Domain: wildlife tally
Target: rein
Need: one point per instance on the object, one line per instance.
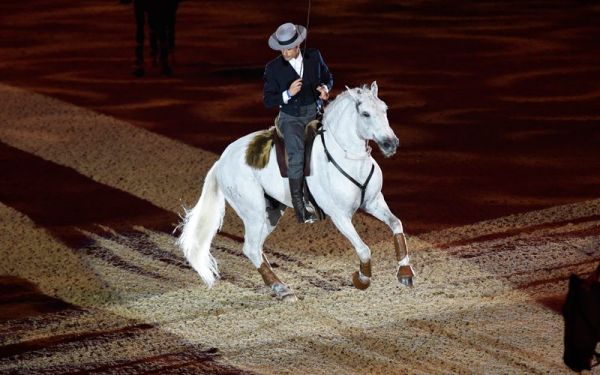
(362, 187)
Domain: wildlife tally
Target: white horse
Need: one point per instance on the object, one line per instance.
(339, 156)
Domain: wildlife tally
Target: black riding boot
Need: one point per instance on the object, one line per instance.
(303, 216)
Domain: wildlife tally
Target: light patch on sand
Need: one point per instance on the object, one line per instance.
(103, 148)
(32, 253)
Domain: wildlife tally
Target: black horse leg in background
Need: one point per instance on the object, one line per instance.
(171, 19)
(139, 10)
(157, 18)
(168, 10)
(581, 313)
(160, 15)
(154, 46)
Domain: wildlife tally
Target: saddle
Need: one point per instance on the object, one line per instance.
(258, 151)
(259, 148)
(310, 133)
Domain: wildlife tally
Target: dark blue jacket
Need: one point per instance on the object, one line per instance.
(279, 75)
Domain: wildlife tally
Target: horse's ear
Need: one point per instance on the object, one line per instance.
(352, 94)
(374, 88)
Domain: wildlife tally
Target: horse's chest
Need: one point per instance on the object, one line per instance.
(341, 187)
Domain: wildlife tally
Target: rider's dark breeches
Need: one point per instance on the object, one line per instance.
(292, 128)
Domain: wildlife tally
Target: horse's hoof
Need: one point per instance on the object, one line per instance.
(405, 275)
(284, 292)
(406, 281)
(291, 298)
(359, 282)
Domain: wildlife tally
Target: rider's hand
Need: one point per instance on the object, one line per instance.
(324, 92)
(295, 87)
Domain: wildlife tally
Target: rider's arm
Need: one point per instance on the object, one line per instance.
(273, 95)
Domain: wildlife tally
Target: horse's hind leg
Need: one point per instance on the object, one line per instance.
(260, 215)
(255, 234)
(379, 208)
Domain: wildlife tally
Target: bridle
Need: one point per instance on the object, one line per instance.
(321, 131)
(363, 186)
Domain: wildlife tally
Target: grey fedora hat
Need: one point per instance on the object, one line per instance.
(287, 36)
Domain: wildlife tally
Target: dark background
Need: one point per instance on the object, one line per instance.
(495, 103)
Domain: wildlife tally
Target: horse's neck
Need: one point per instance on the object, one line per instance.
(340, 127)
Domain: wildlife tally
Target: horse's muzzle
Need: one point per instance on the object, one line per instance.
(388, 146)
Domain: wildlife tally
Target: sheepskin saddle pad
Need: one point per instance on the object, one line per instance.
(259, 148)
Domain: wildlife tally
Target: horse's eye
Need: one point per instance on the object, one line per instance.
(365, 114)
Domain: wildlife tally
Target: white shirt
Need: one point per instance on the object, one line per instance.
(296, 63)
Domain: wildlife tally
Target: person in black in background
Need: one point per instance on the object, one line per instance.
(161, 18)
(170, 24)
(297, 84)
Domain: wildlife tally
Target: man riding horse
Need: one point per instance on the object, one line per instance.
(292, 82)
(345, 177)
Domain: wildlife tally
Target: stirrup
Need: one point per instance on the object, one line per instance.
(306, 217)
(311, 218)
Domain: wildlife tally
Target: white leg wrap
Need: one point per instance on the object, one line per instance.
(404, 262)
(364, 279)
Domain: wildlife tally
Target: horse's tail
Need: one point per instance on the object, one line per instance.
(200, 225)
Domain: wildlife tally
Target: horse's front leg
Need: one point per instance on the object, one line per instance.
(379, 208)
(362, 278)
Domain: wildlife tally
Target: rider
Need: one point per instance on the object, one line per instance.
(297, 84)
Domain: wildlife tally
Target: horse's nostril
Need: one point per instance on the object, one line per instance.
(387, 145)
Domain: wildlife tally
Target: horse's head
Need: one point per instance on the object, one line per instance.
(372, 123)
(581, 313)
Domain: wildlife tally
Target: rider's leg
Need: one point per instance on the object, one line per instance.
(292, 128)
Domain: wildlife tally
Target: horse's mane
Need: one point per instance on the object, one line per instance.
(340, 103)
